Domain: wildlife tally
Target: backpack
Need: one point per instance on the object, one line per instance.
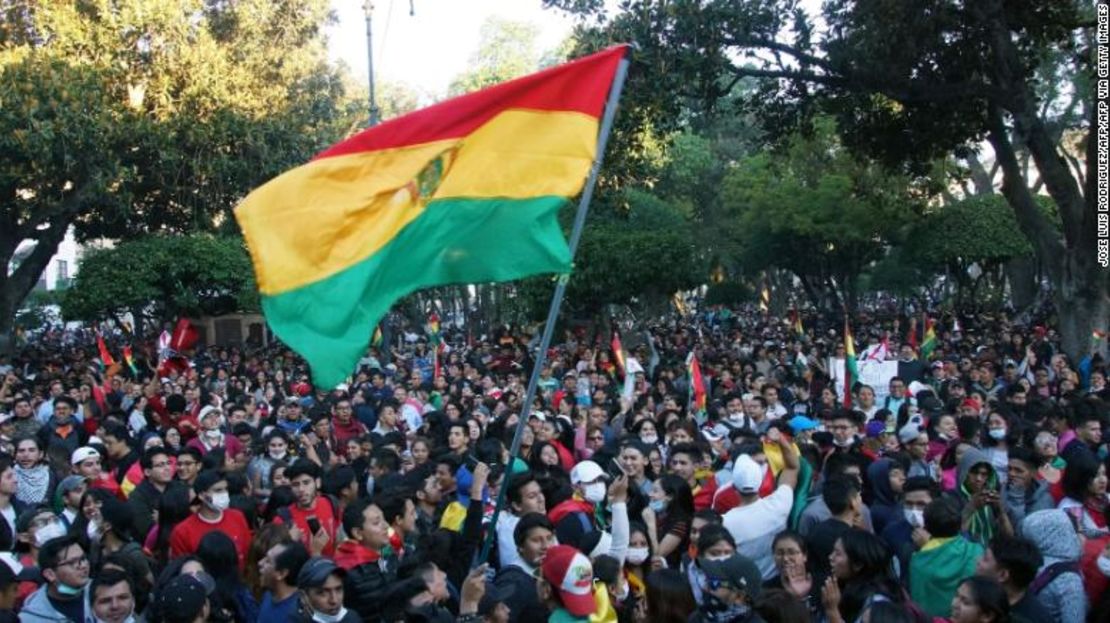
(1050, 573)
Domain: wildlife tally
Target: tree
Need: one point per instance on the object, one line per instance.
(122, 117)
(815, 209)
(506, 50)
(911, 82)
(159, 278)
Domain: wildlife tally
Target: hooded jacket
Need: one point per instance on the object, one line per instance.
(885, 508)
(369, 578)
(1053, 534)
(984, 523)
(1022, 502)
(38, 609)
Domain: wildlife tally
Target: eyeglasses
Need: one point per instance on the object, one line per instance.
(76, 562)
(597, 438)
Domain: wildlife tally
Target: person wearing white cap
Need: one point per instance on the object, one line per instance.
(85, 461)
(574, 517)
(756, 521)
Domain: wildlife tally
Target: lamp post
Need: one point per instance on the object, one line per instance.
(368, 9)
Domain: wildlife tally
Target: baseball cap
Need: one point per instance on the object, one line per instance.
(747, 476)
(316, 571)
(572, 577)
(585, 471)
(875, 428)
(82, 454)
(738, 571)
(800, 423)
(71, 482)
(182, 599)
(23, 521)
(909, 432)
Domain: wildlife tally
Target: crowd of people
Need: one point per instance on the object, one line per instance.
(231, 489)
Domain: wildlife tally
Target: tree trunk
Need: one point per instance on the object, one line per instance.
(1022, 275)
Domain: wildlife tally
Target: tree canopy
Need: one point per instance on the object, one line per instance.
(161, 277)
(122, 117)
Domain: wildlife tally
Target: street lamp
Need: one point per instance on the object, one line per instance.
(368, 8)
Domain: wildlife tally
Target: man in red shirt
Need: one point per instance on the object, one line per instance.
(212, 514)
(315, 518)
(345, 425)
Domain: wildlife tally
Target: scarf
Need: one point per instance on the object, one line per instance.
(33, 483)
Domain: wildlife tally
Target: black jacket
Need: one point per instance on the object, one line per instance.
(367, 587)
(524, 599)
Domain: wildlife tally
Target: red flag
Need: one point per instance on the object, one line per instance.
(105, 356)
(184, 336)
(618, 352)
(697, 383)
(911, 336)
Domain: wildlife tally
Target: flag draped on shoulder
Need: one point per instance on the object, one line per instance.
(465, 191)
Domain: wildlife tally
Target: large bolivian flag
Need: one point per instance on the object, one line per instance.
(464, 191)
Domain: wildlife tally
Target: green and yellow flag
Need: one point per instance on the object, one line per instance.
(464, 191)
(929, 341)
(851, 369)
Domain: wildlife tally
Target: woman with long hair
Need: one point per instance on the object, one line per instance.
(980, 600)
(1085, 491)
(232, 599)
(861, 575)
(670, 512)
(173, 508)
(669, 599)
(638, 560)
(795, 577)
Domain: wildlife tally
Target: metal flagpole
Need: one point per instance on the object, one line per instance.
(557, 297)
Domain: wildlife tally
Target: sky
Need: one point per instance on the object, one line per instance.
(428, 49)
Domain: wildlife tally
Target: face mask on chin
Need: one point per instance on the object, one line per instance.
(70, 591)
(320, 617)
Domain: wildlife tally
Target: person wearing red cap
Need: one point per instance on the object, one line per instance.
(568, 585)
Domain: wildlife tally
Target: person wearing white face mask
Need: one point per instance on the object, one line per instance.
(213, 513)
(995, 443)
(907, 533)
(575, 515)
